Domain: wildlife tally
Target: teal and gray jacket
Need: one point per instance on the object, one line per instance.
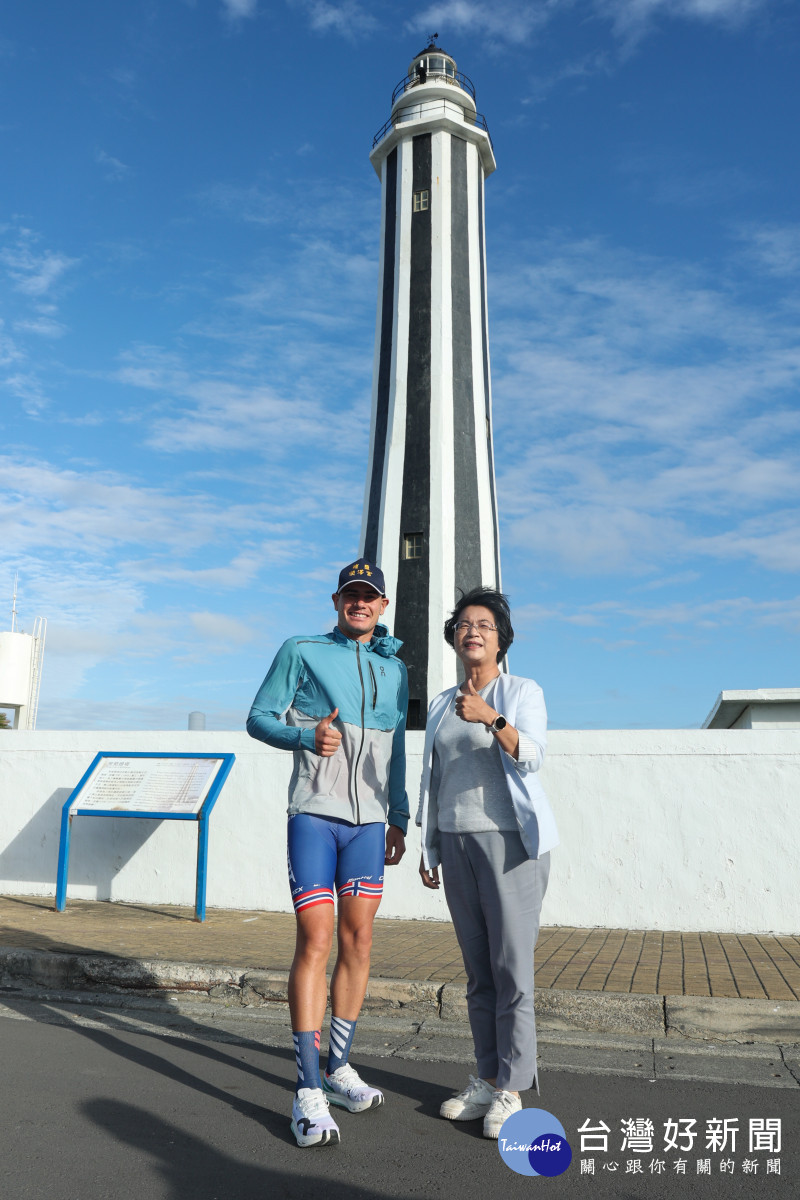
(311, 676)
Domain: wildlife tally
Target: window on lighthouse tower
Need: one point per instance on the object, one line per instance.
(412, 545)
(421, 201)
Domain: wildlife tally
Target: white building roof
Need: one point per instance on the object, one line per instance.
(730, 705)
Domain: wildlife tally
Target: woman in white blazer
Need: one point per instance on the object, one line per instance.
(486, 820)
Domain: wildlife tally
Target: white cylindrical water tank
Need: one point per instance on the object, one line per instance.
(16, 658)
(197, 720)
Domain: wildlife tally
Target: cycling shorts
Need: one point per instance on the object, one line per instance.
(325, 850)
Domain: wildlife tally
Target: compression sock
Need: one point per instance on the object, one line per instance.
(341, 1039)
(306, 1051)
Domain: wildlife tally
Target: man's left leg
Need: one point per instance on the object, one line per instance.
(354, 939)
(359, 879)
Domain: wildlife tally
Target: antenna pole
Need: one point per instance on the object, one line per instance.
(14, 604)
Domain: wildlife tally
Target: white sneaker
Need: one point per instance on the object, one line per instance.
(346, 1088)
(312, 1124)
(502, 1106)
(470, 1104)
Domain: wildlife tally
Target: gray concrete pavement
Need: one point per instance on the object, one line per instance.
(117, 1105)
(407, 1037)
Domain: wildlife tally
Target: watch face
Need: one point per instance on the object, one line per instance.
(500, 723)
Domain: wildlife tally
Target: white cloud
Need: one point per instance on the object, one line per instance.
(246, 203)
(89, 607)
(662, 414)
(307, 207)
(115, 170)
(592, 539)
(515, 22)
(630, 12)
(706, 614)
(261, 478)
(9, 351)
(27, 388)
(348, 18)
(125, 77)
(110, 561)
(776, 247)
(239, 572)
(680, 178)
(217, 414)
(220, 629)
(34, 273)
(91, 512)
(238, 10)
(632, 19)
(501, 22)
(171, 712)
(772, 540)
(66, 532)
(668, 581)
(583, 68)
(42, 326)
(291, 341)
(281, 547)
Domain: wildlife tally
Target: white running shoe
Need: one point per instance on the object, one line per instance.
(470, 1104)
(502, 1106)
(346, 1088)
(312, 1124)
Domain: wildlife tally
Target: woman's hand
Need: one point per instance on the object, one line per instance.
(471, 706)
(429, 878)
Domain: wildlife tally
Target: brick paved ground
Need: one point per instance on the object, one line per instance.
(674, 964)
(612, 960)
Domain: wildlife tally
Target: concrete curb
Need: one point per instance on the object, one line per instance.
(694, 1018)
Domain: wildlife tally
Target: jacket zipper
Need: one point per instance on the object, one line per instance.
(374, 686)
(361, 747)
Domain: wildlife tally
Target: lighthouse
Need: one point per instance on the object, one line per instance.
(430, 511)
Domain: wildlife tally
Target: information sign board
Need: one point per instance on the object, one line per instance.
(176, 787)
(163, 785)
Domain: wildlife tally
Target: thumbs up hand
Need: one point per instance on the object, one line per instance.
(471, 706)
(327, 740)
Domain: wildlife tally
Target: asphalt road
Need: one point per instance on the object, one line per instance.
(108, 1106)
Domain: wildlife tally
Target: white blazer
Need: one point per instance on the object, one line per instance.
(522, 704)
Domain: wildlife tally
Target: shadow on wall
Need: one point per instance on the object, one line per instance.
(101, 847)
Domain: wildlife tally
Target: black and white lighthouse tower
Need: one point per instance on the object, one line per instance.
(430, 512)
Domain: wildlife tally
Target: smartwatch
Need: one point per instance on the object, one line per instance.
(498, 723)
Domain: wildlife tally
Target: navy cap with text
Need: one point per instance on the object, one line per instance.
(362, 571)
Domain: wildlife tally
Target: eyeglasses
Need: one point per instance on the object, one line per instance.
(481, 626)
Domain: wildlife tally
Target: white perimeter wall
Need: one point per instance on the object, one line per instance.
(676, 829)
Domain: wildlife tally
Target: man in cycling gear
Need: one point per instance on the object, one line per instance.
(338, 701)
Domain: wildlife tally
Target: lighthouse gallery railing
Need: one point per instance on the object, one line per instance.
(428, 109)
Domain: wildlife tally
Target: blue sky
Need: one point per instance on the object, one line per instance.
(188, 270)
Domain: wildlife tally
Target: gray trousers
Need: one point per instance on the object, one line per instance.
(494, 893)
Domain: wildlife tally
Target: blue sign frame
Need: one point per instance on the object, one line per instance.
(201, 817)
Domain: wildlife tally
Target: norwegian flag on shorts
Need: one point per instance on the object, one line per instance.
(319, 895)
(362, 887)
